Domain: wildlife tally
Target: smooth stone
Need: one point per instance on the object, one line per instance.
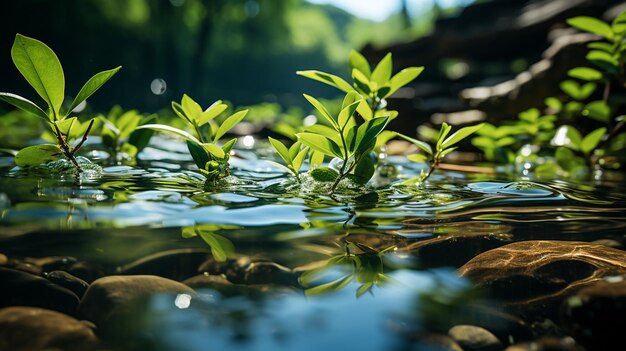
(609, 242)
(178, 264)
(111, 295)
(85, 271)
(51, 263)
(432, 341)
(30, 328)
(245, 270)
(547, 344)
(473, 338)
(595, 316)
(4, 260)
(228, 289)
(68, 281)
(534, 277)
(24, 289)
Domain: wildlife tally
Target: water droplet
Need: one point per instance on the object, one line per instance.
(158, 86)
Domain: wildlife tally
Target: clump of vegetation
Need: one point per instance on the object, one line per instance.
(433, 154)
(204, 142)
(120, 135)
(41, 68)
(293, 156)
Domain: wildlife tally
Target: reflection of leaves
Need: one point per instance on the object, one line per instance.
(366, 268)
(221, 247)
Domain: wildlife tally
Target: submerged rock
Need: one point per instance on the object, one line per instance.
(433, 341)
(24, 289)
(228, 289)
(178, 264)
(112, 296)
(245, 270)
(29, 328)
(473, 338)
(595, 316)
(547, 344)
(537, 275)
(68, 281)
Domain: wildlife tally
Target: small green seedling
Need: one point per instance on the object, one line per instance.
(293, 156)
(443, 146)
(344, 139)
(119, 134)
(211, 159)
(221, 247)
(41, 68)
(374, 85)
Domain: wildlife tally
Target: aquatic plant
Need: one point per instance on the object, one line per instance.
(43, 71)
(444, 145)
(119, 134)
(344, 139)
(293, 156)
(211, 158)
(221, 247)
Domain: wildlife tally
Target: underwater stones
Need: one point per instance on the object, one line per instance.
(178, 264)
(228, 289)
(473, 338)
(433, 341)
(4, 260)
(68, 281)
(29, 328)
(85, 271)
(24, 289)
(595, 315)
(113, 295)
(547, 344)
(538, 274)
(245, 270)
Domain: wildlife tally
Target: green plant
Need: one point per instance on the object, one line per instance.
(374, 85)
(293, 156)
(119, 134)
(344, 139)
(221, 247)
(211, 159)
(443, 146)
(41, 68)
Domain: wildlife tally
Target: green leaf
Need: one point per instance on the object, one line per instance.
(553, 103)
(299, 160)
(403, 78)
(282, 150)
(168, 129)
(320, 143)
(127, 123)
(603, 59)
(192, 109)
(329, 287)
(585, 73)
(198, 153)
(361, 81)
(419, 158)
(531, 115)
(600, 45)
(141, 138)
(214, 150)
(189, 232)
(460, 135)
(382, 72)
(41, 68)
(568, 160)
(94, 83)
(598, 110)
(211, 112)
(350, 98)
(228, 124)
(591, 140)
(422, 145)
(24, 104)
(365, 111)
(324, 174)
(576, 91)
(221, 248)
(65, 125)
(368, 131)
(324, 131)
(591, 25)
(323, 111)
(357, 61)
(294, 150)
(567, 136)
(37, 154)
(178, 110)
(364, 170)
(327, 78)
(619, 23)
(316, 159)
(228, 146)
(346, 113)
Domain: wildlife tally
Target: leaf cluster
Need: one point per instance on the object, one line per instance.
(119, 131)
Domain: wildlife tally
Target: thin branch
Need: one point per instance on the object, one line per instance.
(82, 141)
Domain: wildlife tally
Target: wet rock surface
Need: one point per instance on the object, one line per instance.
(68, 281)
(473, 338)
(32, 329)
(536, 276)
(228, 289)
(595, 315)
(177, 264)
(548, 344)
(246, 270)
(114, 295)
(25, 289)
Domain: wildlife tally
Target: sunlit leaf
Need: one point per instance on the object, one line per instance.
(228, 124)
(551, 102)
(325, 131)
(320, 143)
(591, 140)
(460, 135)
(364, 170)
(211, 112)
(198, 154)
(316, 159)
(41, 68)
(299, 160)
(228, 146)
(91, 86)
(591, 25)
(347, 113)
(382, 72)
(324, 174)
(282, 150)
(37, 154)
(368, 131)
(24, 104)
(422, 145)
(168, 129)
(221, 247)
(598, 110)
(361, 81)
(192, 109)
(214, 150)
(585, 73)
(323, 111)
(357, 61)
(327, 78)
(403, 78)
(417, 158)
(294, 150)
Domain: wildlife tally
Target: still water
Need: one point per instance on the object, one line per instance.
(365, 269)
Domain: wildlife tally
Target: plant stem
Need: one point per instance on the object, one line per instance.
(82, 141)
(66, 148)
